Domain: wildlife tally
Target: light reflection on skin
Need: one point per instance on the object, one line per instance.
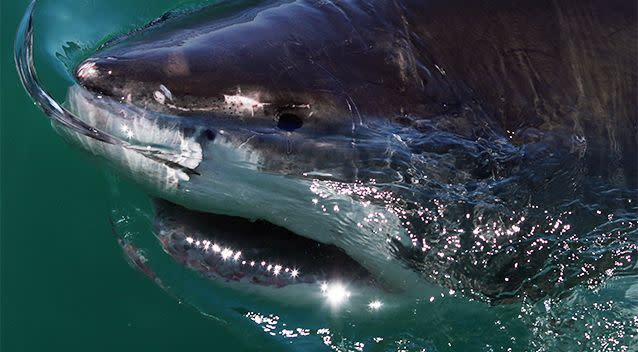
(128, 132)
(436, 230)
(493, 235)
(486, 234)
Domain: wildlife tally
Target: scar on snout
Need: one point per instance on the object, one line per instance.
(159, 97)
(87, 70)
(162, 94)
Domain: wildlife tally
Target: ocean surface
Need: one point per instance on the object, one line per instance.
(67, 285)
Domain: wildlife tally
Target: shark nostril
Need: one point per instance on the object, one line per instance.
(209, 135)
(289, 122)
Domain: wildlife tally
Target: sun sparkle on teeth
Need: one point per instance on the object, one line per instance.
(228, 254)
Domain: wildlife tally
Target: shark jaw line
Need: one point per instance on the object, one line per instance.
(257, 256)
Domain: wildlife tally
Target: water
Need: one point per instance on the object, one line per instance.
(65, 283)
(65, 279)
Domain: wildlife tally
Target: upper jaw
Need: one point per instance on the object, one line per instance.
(190, 141)
(248, 106)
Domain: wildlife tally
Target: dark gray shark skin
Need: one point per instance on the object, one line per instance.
(486, 146)
(529, 67)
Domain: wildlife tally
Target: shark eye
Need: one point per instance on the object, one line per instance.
(289, 122)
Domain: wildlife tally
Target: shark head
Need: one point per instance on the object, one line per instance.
(344, 133)
(230, 118)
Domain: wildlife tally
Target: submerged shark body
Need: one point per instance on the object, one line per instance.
(412, 143)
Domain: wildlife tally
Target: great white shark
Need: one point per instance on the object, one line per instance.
(406, 146)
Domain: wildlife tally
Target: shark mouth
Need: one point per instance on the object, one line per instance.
(253, 252)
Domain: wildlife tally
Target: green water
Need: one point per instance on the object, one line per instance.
(65, 285)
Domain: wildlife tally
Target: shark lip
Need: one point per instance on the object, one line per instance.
(255, 252)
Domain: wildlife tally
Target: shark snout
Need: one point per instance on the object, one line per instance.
(115, 77)
(102, 77)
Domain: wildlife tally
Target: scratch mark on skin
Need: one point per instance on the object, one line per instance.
(243, 103)
(349, 100)
(166, 92)
(299, 106)
(88, 70)
(356, 110)
(245, 142)
(159, 97)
